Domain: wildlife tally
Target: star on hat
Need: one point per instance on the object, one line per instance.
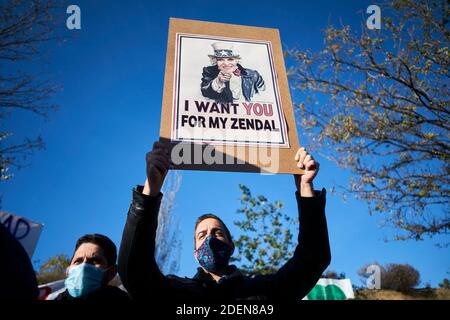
(223, 50)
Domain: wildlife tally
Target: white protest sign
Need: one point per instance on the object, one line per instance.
(27, 232)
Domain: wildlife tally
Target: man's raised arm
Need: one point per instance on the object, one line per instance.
(138, 269)
(312, 255)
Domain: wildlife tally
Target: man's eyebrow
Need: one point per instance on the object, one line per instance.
(97, 256)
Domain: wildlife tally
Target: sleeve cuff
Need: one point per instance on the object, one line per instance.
(142, 202)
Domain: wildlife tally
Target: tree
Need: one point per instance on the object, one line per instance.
(378, 102)
(266, 240)
(24, 27)
(53, 269)
(331, 274)
(393, 276)
(168, 248)
(445, 284)
(400, 277)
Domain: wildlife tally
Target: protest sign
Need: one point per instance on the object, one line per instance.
(27, 232)
(226, 102)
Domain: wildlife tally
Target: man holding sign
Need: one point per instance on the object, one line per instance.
(216, 280)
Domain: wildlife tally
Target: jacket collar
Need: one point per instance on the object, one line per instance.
(232, 272)
(243, 71)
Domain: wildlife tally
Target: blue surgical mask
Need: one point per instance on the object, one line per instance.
(83, 279)
(213, 254)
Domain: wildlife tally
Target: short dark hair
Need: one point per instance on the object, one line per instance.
(212, 216)
(108, 247)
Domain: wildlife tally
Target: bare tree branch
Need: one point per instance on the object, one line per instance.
(384, 113)
(25, 26)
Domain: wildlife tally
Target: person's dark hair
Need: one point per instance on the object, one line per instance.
(108, 247)
(212, 216)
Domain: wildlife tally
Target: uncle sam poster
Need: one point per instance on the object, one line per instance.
(222, 91)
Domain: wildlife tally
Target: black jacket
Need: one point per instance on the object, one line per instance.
(252, 82)
(18, 280)
(143, 280)
(105, 293)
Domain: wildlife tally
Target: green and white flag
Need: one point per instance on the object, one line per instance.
(331, 289)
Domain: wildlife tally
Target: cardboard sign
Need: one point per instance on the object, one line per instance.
(226, 102)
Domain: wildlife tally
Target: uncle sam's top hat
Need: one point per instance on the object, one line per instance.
(223, 50)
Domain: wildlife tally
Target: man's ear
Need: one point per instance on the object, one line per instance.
(232, 248)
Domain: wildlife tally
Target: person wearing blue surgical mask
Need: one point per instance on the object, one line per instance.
(91, 268)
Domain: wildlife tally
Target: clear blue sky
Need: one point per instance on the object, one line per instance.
(112, 72)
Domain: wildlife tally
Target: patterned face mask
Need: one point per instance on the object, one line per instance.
(213, 254)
